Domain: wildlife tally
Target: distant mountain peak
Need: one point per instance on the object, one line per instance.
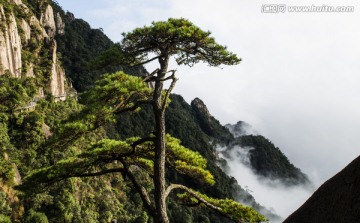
(208, 123)
(200, 107)
(241, 128)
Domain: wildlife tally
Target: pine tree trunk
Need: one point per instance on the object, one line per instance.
(159, 162)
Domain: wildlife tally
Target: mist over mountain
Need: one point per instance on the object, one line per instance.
(241, 128)
(257, 165)
(264, 171)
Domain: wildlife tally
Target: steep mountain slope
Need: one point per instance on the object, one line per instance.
(209, 124)
(337, 200)
(87, 53)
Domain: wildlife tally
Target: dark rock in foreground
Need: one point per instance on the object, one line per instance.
(337, 200)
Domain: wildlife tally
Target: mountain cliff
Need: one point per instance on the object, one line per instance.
(337, 200)
(28, 47)
(208, 123)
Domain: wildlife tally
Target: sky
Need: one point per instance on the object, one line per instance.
(298, 83)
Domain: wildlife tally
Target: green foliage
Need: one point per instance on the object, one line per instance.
(139, 123)
(187, 161)
(27, 133)
(117, 92)
(228, 207)
(16, 128)
(182, 123)
(15, 92)
(99, 157)
(88, 53)
(110, 61)
(4, 137)
(55, 113)
(6, 171)
(22, 137)
(4, 219)
(37, 217)
(5, 209)
(178, 37)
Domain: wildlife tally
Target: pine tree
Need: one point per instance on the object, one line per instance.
(119, 93)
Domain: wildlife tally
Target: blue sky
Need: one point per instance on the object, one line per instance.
(298, 84)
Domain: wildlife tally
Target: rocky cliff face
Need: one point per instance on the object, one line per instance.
(208, 123)
(28, 47)
(57, 83)
(10, 44)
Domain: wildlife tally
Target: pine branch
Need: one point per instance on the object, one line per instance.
(148, 78)
(192, 193)
(134, 107)
(139, 188)
(167, 95)
(145, 62)
(136, 143)
(103, 172)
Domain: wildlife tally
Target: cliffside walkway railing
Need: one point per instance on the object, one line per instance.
(32, 104)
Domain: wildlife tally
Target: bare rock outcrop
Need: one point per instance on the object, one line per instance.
(26, 30)
(18, 2)
(48, 21)
(208, 123)
(47, 131)
(10, 45)
(36, 24)
(60, 25)
(57, 83)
